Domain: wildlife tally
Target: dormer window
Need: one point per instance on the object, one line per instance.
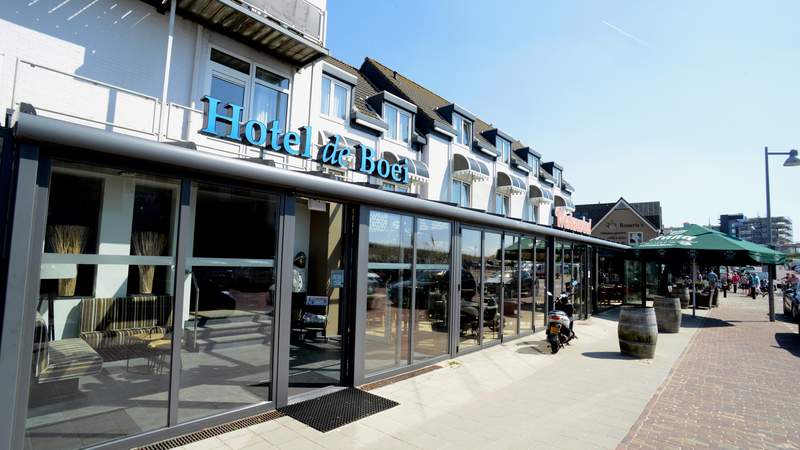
(557, 176)
(463, 130)
(335, 99)
(504, 147)
(533, 161)
(399, 124)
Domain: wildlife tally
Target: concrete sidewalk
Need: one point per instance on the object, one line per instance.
(515, 395)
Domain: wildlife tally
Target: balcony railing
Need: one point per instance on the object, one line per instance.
(101, 105)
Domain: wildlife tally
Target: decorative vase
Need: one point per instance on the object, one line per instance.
(70, 239)
(147, 243)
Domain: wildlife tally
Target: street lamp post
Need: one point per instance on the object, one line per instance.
(791, 161)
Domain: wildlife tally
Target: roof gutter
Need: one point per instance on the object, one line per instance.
(65, 134)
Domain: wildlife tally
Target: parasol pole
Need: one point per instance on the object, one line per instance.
(694, 287)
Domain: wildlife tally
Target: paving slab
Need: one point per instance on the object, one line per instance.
(735, 387)
(514, 395)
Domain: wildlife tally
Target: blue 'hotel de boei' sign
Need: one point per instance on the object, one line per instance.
(269, 136)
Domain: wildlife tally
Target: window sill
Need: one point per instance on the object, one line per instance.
(333, 119)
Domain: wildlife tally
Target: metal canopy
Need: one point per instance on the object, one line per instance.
(540, 194)
(417, 170)
(291, 30)
(65, 135)
(469, 169)
(510, 184)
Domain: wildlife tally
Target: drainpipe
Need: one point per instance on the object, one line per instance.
(168, 61)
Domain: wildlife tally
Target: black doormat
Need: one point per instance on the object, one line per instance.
(334, 410)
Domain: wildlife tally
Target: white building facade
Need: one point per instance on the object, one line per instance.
(205, 216)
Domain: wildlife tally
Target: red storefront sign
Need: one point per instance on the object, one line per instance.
(567, 222)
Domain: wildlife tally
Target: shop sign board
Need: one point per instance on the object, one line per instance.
(568, 222)
(296, 143)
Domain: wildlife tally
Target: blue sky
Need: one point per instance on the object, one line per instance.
(659, 100)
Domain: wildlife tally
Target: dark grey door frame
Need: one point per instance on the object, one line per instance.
(283, 305)
(27, 230)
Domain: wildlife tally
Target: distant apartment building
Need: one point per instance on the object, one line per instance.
(755, 230)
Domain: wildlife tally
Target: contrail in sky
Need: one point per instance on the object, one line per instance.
(626, 34)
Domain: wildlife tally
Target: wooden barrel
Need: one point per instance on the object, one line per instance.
(637, 331)
(686, 297)
(668, 314)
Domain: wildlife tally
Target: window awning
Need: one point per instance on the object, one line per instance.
(539, 194)
(562, 201)
(509, 184)
(417, 170)
(469, 169)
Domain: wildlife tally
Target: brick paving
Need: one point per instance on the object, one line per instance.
(737, 385)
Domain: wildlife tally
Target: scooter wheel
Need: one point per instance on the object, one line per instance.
(554, 347)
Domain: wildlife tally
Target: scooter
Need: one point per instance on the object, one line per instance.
(558, 329)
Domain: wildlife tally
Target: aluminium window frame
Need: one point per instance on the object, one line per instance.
(506, 203)
(504, 149)
(464, 188)
(398, 129)
(458, 118)
(249, 81)
(331, 115)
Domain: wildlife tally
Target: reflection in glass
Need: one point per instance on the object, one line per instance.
(610, 273)
(566, 270)
(103, 324)
(528, 278)
(492, 249)
(388, 291)
(317, 325)
(510, 286)
(559, 274)
(432, 290)
(227, 92)
(470, 293)
(229, 302)
(540, 282)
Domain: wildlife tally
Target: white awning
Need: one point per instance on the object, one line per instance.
(417, 170)
(509, 184)
(564, 202)
(538, 194)
(469, 170)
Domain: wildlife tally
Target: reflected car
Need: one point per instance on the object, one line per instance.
(791, 302)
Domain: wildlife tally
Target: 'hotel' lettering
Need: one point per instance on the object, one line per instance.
(259, 134)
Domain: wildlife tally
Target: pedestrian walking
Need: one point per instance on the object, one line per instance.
(725, 280)
(735, 279)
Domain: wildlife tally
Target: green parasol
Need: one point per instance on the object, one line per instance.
(708, 246)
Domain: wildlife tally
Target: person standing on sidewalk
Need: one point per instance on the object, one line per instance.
(725, 280)
(735, 280)
(712, 280)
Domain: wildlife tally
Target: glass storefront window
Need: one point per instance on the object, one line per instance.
(103, 324)
(431, 302)
(558, 284)
(492, 285)
(470, 289)
(540, 280)
(528, 278)
(389, 285)
(510, 285)
(229, 301)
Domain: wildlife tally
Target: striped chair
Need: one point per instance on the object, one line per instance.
(61, 360)
(108, 323)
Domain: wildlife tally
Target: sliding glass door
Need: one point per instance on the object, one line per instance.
(229, 301)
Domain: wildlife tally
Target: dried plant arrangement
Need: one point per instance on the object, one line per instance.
(148, 243)
(67, 239)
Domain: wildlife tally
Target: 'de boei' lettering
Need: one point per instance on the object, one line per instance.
(268, 136)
